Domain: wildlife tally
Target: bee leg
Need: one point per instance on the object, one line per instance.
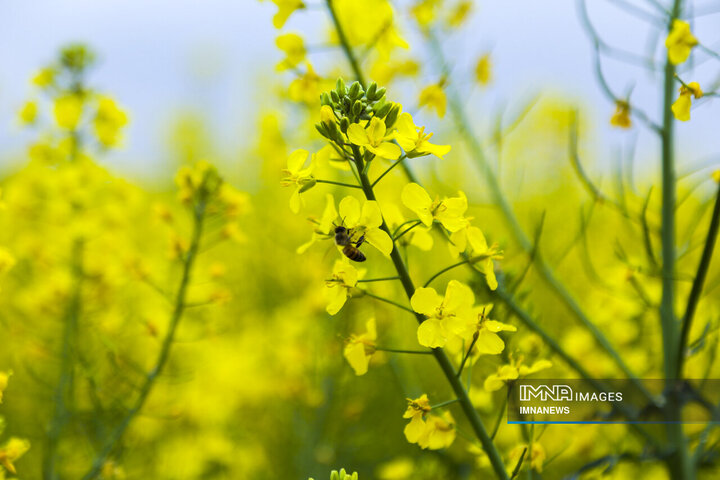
(360, 241)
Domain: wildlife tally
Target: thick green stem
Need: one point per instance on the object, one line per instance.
(439, 354)
(164, 354)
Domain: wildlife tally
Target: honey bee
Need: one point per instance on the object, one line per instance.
(351, 249)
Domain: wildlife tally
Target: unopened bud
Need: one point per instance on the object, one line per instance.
(340, 87)
(354, 90)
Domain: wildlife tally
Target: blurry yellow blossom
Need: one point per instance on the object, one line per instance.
(4, 378)
(428, 430)
(414, 140)
(370, 23)
(433, 96)
(471, 239)
(445, 316)
(285, 9)
(483, 70)
(293, 46)
(621, 117)
(385, 72)
(366, 222)
(513, 371)
(425, 12)
(681, 107)
(44, 78)
(680, 42)
(299, 175)
(459, 13)
(337, 288)
(716, 176)
(307, 87)
(11, 452)
(68, 109)
(108, 122)
(536, 458)
(7, 261)
(360, 348)
(449, 211)
(28, 112)
(374, 139)
(398, 469)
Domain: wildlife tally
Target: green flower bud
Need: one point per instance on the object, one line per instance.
(357, 108)
(392, 115)
(380, 93)
(321, 129)
(334, 475)
(383, 109)
(340, 87)
(334, 97)
(344, 124)
(354, 90)
(370, 94)
(325, 99)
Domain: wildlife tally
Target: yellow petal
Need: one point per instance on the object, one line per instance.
(417, 199)
(415, 429)
(349, 209)
(437, 150)
(457, 296)
(371, 329)
(376, 130)
(536, 367)
(371, 216)
(493, 383)
(489, 343)
(425, 300)
(495, 326)
(295, 201)
(336, 297)
(358, 135)
(380, 240)
(681, 107)
(355, 355)
(422, 239)
(386, 150)
(296, 160)
(431, 333)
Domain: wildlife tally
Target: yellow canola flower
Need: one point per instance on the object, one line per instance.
(337, 288)
(445, 315)
(7, 261)
(374, 138)
(483, 70)
(365, 221)
(307, 87)
(360, 348)
(449, 211)
(488, 341)
(681, 107)
(28, 113)
(471, 240)
(425, 429)
(433, 96)
(68, 110)
(11, 452)
(370, 23)
(44, 78)
(414, 140)
(293, 46)
(512, 371)
(285, 9)
(425, 12)
(4, 378)
(108, 122)
(680, 42)
(621, 117)
(299, 175)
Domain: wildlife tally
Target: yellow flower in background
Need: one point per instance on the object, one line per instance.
(681, 106)
(679, 42)
(68, 109)
(307, 87)
(109, 121)
(621, 117)
(285, 9)
(716, 176)
(337, 288)
(483, 70)
(414, 140)
(299, 175)
(44, 78)
(385, 72)
(374, 138)
(512, 371)
(471, 240)
(360, 348)
(460, 13)
(7, 261)
(433, 96)
(416, 411)
(445, 316)
(425, 12)
(4, 378)
(370, 23)
(293, 46)
(11, 452)
(28, 113)
(449, 211)
(365, 221)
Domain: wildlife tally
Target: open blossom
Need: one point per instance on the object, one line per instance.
(299, 175)
(484, 332)
(681, 107)
(471, 240)
(360, 348)
(414, 140)
(374, 138)
(365, 221)
(449, 211)
(445, 315)
(425, 429)
(337, 287)
(680, 42)
(433, 96)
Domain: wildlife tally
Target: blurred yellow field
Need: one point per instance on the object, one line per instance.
(357, 261)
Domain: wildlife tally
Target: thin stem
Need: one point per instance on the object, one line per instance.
(387, 300)
(467, 354)
(349, 185)
(403, 157)
(384, 279)
(443, 404)
(398, 350)
(164, 354)
(407, 230)
(345, 44)
(697, 287)
(516, 470)
(469, 260)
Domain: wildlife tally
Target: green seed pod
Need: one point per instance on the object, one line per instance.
(392, 116)
(340, 87)
(344, 124)
(334, 97)
(354, 90)
(370, 94)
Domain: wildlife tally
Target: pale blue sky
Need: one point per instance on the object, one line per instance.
(150, 51)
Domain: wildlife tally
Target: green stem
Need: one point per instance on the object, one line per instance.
(407, 230)
(696, 290)
(398, 350)
(443, 404)
(468, 260)
(383, 279)
(345, 44)
(388, 170)
(331, 182)
(440, 355)
(467, 354)
(164, 354)
(387, 300)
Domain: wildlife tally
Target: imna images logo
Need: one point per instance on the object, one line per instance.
(544, 393)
